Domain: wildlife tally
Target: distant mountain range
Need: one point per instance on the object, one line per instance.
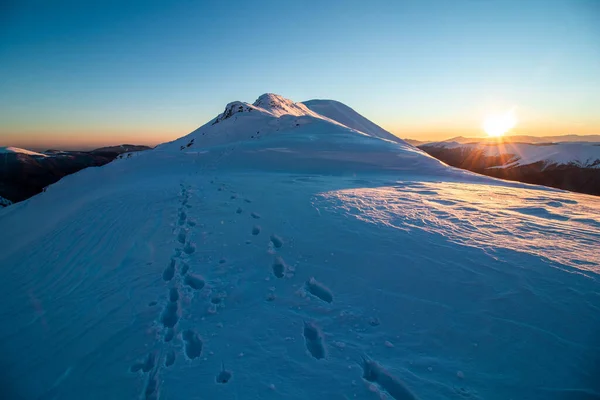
(25, 173)
(515, 139)
(571, 165)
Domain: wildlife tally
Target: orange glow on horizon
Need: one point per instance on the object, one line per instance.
(71, 137)
(84, 141)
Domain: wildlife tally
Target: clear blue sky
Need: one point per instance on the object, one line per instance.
(106, 72)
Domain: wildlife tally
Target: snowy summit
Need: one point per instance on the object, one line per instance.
(272, 113)
(16, 150)
(299, 251)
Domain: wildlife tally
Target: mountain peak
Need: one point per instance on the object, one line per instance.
(269, 104)
(278, 105)
(233, 108)
(272, 113)
(270, 99)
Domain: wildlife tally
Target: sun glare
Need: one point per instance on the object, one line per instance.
(497, 125)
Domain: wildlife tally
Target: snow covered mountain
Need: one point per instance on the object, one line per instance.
(25, 173)
(277, 252)
(16, 150)
(528, 139)
(271, 114)
(582, 155)
(569, 165)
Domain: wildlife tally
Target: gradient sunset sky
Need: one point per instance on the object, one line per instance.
(76, 74)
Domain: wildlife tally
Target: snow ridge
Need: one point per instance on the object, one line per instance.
(268, 104)
(579, 154)
(347, 116)
(17, 150)
(278, 106)
(270, 113)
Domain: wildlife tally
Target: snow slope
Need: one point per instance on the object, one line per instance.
(16, 150)
(345, 115)
(314, 262)
(582, 154)
(272, 114)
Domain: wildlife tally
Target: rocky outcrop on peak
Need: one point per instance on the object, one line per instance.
(231, 109)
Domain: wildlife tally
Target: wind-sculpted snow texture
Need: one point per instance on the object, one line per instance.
(314, 262)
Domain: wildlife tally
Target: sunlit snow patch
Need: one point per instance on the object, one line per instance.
(487, 217)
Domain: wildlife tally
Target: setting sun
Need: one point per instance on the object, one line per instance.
(497, 125)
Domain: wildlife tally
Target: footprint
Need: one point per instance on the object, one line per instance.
(224, 376)
(169, 272)
(255, 215)
(184, 268)
(194, 281)
(314, 340)
(319, 290)
(279, 267)
(173, 295)
(170, 358)
(256, 230)
(152, 304)
(375, 373)
(191, 223)
(148, 363)
(189, 248)
(182, 236)
(277, 241)
(169, 335)
(151, 389)
(239, 210)
(193, 344)
(170, 315)
(137, 367)
(182, 217)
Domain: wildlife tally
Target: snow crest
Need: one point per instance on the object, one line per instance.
(278, 106)
(347, 116)
(17, 150)
(272, 113)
